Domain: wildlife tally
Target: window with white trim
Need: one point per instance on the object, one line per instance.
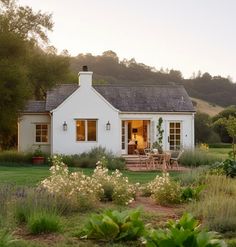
(86, 130)
(41, 133)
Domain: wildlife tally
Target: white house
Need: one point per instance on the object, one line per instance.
(77, 117)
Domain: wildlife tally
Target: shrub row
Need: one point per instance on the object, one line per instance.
(220, 145)
(15, 157)
(84, 160)
(198, 158)
(89, 159)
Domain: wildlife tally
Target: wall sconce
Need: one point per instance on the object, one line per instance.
(108, 126)
(64, 126)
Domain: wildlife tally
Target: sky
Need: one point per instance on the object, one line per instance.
(186, 35)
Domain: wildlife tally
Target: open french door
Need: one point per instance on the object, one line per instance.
(124, 137)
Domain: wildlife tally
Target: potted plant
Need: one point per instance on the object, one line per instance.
(38, 157)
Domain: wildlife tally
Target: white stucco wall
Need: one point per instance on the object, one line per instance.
(85, 103)
(26, 132)
(187, 126)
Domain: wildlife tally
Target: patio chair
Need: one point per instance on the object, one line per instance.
(147, 151)
(175, 157)
(143, 159)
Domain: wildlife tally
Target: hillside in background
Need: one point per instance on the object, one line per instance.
(108, 68)
(206, 107)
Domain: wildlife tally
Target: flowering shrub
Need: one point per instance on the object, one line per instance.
(164, 190)
(116, 188)
(81, 190)
(204, 146)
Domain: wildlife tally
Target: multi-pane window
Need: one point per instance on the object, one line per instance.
(41, 134)
(175, 136)
(86, 130)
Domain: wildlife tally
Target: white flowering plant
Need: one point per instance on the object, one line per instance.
(164, 190)
(115, 186)
(76, 187)
(84, 191)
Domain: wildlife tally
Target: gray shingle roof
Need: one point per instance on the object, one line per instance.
(35, 106)
(148, 98)
(58, 94)
(126, 98)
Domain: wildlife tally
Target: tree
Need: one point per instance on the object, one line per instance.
(47, 69)
(24, 22)
(230, 125)
(202, 127)
(28, 67)
(221, 128)
(14, 84)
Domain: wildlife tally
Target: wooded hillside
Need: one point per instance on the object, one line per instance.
(108, 68)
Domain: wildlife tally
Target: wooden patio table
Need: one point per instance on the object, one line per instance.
(162, 160)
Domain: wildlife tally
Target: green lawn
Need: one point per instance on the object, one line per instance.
(220, 152)
(31, 175)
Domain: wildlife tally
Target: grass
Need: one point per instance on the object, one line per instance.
(217, 207)
(220, 152)
(32, 175)
(43, 222)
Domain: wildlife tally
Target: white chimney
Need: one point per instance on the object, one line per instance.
(85, 77)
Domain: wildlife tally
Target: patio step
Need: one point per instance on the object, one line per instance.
(131, 159)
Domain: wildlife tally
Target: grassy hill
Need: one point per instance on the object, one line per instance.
(206, 107)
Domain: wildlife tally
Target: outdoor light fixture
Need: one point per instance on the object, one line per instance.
(65, 126)
(108, 126)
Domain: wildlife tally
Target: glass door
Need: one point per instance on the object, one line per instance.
(175, 140)
(124, 137)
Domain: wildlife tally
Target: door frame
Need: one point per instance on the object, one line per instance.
(168, 132)
(125, 126)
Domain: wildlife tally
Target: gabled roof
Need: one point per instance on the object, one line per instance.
(58, 94)
(148, 98)
(35, 106)
(126, 98)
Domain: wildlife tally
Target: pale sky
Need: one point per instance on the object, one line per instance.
(186, 35)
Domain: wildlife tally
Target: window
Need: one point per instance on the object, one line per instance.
(86, 130)
(175, 136)
(41, 134)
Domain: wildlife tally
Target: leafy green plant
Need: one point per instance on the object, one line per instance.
(191, 193)
(43, 222)
(114, 226)
(185, 232)
(38, 152)
(227, 167)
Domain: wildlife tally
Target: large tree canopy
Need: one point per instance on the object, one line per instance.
(28, 67)
(24, 22)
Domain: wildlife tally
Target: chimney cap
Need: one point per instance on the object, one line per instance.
(85, 68)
